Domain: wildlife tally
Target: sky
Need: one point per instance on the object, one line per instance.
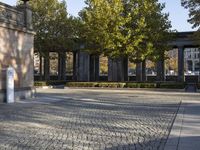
(178, 15)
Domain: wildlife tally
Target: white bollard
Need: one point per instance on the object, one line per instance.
(10, 85)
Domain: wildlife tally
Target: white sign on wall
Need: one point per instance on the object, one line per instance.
(10, 85)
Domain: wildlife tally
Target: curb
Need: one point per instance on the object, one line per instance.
(174, 137)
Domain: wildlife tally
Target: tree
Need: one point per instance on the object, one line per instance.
(136, 29)
(194, 11)
(154, 28)
(55, 29)
(194, 14)
(103, 21)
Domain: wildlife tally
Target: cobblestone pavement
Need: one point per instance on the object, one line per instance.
(87, 121)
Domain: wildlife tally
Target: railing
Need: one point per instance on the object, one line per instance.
(11, 15)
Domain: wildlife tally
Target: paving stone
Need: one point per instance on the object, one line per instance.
(90, 121)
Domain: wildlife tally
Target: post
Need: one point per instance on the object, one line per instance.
(10, 85)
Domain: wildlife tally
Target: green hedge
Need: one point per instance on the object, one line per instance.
(140, 85)
(40, 83)
(166, 85)
(81, 84)
(49, 83)
(169, 85)
(96, 84)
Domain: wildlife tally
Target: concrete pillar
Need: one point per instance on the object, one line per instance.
(110, 69)
(125, 69)
(118, 69)
(139, 71)
(94, 68)
(181, 64)
(160, 70)
(75, 66)
(62, 66)
(59, 65)
(41, 69)
(46, 66)
(144, 76)
(83, 73)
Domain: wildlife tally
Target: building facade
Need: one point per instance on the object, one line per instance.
(16, 49)
(192, 61)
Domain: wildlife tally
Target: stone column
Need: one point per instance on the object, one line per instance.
(118, 69)
(181, 63)
(64, 66)
(83, 66)
(139, 71)
(41, 69)
(160, 70)
(75, 64)
(94, 68)
(144, 76)
(46, 66)
(61, 66)
(125, 68)
(110, 69)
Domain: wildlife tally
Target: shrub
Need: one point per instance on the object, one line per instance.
(58, 82)
(81, 84)
(40, 83)
(95, 84)
(171, 85)
(111, 84)
(167, 85)
(47, 83)
(140, 85)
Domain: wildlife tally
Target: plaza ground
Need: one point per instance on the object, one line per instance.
(84, 119)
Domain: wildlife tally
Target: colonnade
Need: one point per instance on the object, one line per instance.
(86, 68)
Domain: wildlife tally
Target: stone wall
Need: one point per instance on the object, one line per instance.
(16, 47)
